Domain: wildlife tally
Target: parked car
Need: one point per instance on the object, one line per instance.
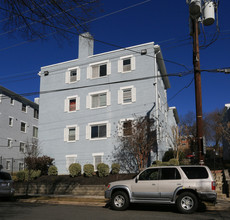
(6, 185)
(183, 186)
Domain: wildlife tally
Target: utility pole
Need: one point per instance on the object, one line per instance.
(198, 8)
(198, 95)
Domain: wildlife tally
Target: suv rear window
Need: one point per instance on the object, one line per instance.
(195, 172)
(5, 176)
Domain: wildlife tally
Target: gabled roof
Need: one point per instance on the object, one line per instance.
(18, 97)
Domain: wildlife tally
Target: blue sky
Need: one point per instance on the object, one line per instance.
(163, 22)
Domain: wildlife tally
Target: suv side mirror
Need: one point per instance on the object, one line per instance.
(136, 180)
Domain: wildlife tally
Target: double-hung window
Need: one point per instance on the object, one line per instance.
(72, 75)
(8, 165)
(99, 69)
(21, 166)
(36, 113)
(35, 132)
(23, 127)
(70, 159)
(125, 127)
(72, 103)
(11, 101)
(127, 95)
(126, 64)
(71, 133)
(11, 121)
(98, 99)
(97, 159)
(22, 147)
(9, 142)
(98, 130)
(24, 107)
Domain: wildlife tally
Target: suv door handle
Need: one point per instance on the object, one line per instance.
(153, 184)
(178, 184)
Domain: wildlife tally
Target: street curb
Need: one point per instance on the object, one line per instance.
(221, 205)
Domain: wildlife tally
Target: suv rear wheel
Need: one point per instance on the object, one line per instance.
(187, 202)
(120, 201)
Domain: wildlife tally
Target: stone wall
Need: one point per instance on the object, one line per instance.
(59, 189)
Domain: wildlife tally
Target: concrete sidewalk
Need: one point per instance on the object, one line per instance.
(221, 205)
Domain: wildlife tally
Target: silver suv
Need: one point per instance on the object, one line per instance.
(184, 186)
(6, 185)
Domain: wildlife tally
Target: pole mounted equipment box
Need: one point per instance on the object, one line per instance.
(194, 8)
(208, 13)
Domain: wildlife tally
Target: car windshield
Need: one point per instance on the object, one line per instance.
(5, 176)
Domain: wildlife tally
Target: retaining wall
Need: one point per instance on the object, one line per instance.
(59, 189)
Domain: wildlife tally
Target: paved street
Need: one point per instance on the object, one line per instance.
(35, 211)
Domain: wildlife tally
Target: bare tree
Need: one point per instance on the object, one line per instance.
(176, 140)
(215, 129)
(136, 139)
(37, 18)
(32, 149)
(218, 128)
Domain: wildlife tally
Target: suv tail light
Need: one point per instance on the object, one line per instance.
(213, 185)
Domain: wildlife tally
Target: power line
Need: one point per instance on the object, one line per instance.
(96, 85)
(100, 41)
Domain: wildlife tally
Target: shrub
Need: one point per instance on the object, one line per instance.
(158, 162)
(75, 169)
(20, 175)
(115, 168)
(173, 162)
(32, 174)
(52, 171)
(39, 163)
(103, 169)
(165, 164)
(88, 170)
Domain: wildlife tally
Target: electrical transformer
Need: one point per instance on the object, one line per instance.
(208, 13)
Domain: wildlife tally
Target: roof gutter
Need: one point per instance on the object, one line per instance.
(161, 65)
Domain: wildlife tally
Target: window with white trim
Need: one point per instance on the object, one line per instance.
(127, 95)
(98, 99)
(70, 159)
(8, 165)
(22, 147)
(72, 103)
(71, 133)
(99, 69)
(36, 113)
(11, 119)
(9, 142)
(11, 101)
(72, 75)
(98, 130)
(126, 64)
(23, 127)
(97, 158)
(125, 127)
(35, 132)
(24, 107)
(21, 166)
